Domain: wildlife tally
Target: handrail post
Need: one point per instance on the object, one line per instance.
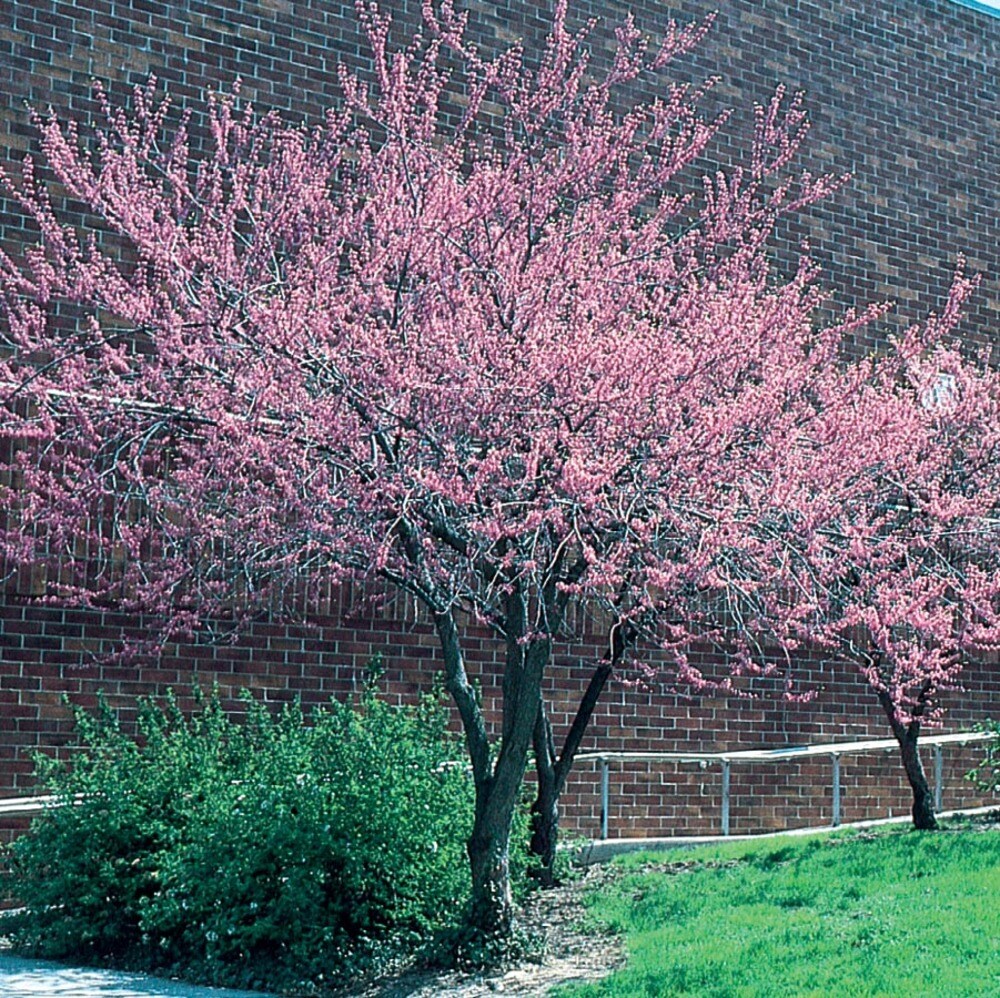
(938, 778)
(604, 798)
(836, 789)
(726, 758)
(725, 796)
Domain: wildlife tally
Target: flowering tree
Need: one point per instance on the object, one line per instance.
(882, 541)
(502, 365)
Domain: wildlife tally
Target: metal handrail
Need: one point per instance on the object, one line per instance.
(37, 803)
(34, 804)
(792, 753)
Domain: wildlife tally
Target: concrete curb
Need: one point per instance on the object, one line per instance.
(601, 850)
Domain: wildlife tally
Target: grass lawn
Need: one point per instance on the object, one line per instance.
(895, 913)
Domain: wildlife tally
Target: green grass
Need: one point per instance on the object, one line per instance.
(900, 913)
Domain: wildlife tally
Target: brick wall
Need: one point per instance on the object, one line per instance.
(49, 651)
(902, 94)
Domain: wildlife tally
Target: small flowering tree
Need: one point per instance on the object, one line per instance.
(883, 539)
(502, 365)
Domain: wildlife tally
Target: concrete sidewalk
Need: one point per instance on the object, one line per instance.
(41, 979)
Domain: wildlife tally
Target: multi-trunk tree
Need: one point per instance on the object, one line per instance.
(499, 361)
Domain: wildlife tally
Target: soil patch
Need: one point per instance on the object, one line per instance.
(571, 951)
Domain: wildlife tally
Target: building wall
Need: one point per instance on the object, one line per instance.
(902, 94)
(48, 652)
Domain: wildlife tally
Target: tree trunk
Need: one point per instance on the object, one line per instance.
(492, 915)
(552, 772)
(545, 834)
(545, 809)
(923, 797)
(498, 783)
(498, 788)
(907, 736)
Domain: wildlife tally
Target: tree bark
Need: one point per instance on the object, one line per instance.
(498, 787)
(492, 914)
(545, 809)
(907, 735)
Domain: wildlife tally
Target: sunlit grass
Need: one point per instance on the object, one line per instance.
(900, 913)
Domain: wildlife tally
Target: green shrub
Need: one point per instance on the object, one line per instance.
(986, 775)
(261, 852)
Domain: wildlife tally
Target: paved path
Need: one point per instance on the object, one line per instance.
(41, 979)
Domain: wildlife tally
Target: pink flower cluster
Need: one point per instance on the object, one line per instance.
(503, 360)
